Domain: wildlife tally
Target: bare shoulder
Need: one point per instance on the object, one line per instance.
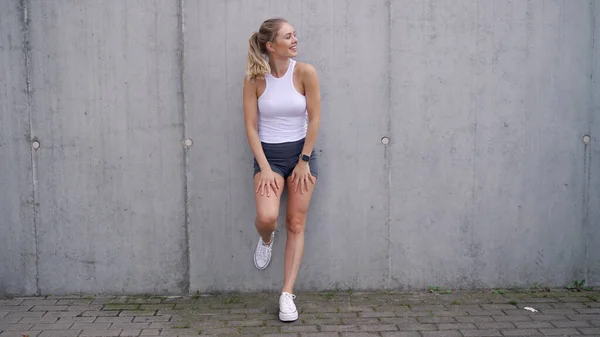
(306, 70)
(248, 82)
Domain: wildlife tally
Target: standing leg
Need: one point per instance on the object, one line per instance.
(294, 247)
(297, 209)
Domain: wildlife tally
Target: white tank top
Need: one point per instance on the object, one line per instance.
(282, 115)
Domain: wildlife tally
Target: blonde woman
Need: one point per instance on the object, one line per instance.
(282, 116)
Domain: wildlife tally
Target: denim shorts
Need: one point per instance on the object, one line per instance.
(283, 158)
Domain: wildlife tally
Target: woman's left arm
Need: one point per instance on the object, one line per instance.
(301, 175)
(313, 107)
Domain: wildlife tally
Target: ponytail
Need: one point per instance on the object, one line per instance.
(257, 65)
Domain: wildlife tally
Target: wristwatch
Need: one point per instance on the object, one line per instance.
(304, 157)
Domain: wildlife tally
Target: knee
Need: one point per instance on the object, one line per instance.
(295, 223)
(266, 220)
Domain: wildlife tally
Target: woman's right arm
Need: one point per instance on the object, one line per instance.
(267, 176)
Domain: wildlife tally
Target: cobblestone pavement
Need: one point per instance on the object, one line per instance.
(340, 314)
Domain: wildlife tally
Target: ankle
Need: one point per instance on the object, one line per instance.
(268, 240)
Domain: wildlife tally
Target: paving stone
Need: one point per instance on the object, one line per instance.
(588, 311)
(15, 326)
(130, 332)
(480, 332)
(474, 319)
(401, 334)
(134, 313)
(378, 327)
(359, 321)
(571, 324)
(60, 333)
(534, 325)
(53, 326)
(129, 325)
(39, 320)
(578, 305)
(16, 308)
(150, 319)
(436, 319)
(456, 326)
(590, 331)
(20, 333)
(299, 328)
(548, 317)
(511, 318)
(114, 319)
(100, 333)
(584, 317)
(11, 302)
(40, 301)
(559, 332)
(520, 332)
(559, 312)
(446, 333)
(417, 327)
(496, 325)
(91, 326)
(339, 327)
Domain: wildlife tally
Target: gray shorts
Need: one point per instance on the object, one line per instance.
(283, 157)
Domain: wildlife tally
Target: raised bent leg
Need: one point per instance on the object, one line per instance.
(267, 209)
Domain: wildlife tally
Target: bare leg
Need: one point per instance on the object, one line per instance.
(267, 210)
(295, 222)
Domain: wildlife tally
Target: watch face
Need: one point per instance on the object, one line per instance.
(305, 157)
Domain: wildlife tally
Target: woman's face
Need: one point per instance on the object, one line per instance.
(286, 43)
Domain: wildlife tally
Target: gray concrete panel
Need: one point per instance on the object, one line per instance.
(348, 146)
(17, 229)
(347, 230)
(489, 109)
(107, 111)
(221, 211)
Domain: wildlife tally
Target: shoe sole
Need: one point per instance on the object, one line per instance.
(291, 317)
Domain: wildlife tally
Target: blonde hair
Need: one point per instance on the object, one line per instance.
(257, 65)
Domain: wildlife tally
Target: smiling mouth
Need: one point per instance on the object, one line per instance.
(294, 48)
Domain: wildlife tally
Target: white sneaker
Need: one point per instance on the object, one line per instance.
(262, 255)
(287, 308)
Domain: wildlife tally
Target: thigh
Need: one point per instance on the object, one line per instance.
(270, 204)
(298, 202)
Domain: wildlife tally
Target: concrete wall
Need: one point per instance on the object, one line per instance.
(18, 253)
(592, 196)
(486, 180)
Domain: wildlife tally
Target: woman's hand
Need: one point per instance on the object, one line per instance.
(301, 176)
(266, 182)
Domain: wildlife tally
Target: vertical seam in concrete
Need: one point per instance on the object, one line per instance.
(587, 161)
(26, 49)
(389, 147)
(227, 117)
(475, 121)
(187, 258)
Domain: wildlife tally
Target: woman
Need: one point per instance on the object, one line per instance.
(282, 113)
